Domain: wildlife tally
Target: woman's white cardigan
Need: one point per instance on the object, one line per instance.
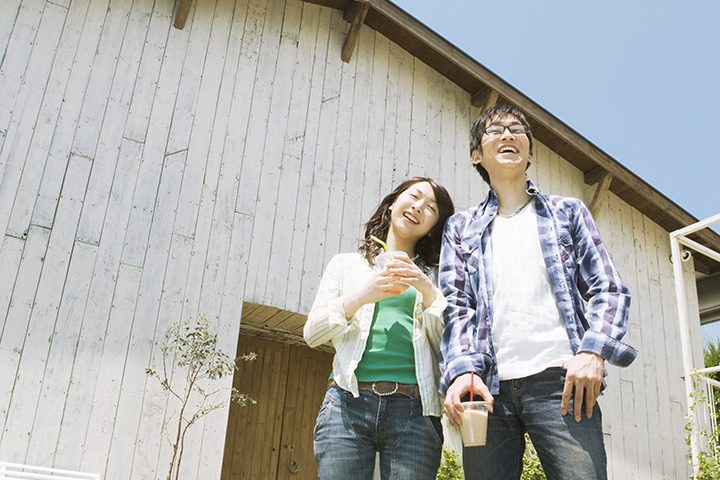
(327, 322)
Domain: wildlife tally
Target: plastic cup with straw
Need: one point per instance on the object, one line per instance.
(474, 419)
(385, 257)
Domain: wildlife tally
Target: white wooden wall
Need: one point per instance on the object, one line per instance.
(148, 174)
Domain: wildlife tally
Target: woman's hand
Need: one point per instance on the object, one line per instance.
(379, 286)
(410, 274)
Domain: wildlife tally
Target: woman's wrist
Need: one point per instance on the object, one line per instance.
(428, 295)
(351, 304)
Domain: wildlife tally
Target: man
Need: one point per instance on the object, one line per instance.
(535, 308)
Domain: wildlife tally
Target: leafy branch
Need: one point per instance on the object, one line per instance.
(193, 349)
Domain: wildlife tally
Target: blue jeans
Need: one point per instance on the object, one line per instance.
(567, 450)
(350, 430)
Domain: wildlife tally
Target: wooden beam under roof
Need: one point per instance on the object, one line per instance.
(603, 186)
(480, 96)
(594, 176)
(181, 13)
(355, 13)
(484, 98)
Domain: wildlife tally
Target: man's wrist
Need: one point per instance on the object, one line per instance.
(587, 352)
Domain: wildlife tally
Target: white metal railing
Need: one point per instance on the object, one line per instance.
(703, 420)
(709, 385)
(678, 238)
(17, 471)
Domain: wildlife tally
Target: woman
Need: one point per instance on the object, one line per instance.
(386, 325)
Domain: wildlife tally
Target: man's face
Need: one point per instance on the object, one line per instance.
(503, 153)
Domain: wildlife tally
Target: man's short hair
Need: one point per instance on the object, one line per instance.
(490, 115)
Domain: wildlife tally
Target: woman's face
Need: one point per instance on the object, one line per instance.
(415, 212)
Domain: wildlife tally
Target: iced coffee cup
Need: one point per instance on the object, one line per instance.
(384, 258)
(474, 423)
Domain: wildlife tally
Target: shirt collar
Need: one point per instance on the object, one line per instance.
(492, 201)
(532, 188)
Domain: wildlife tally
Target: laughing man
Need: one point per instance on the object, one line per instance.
(535, 308)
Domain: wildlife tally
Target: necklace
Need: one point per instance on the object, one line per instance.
(523, 207)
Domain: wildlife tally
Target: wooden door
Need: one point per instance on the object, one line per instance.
(307, 382)
(273, 438)
(254, 431)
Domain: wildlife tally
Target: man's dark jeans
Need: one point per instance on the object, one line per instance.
(567, 450)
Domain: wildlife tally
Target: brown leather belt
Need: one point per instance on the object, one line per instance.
(384, 389)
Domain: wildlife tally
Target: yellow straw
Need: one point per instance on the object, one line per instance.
(382, 244)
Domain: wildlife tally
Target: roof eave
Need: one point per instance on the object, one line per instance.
(434, 50)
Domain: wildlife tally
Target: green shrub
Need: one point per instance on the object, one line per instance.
(532, 469)
(708, 458)
(450, 468)
(711, 357)
(708, 467)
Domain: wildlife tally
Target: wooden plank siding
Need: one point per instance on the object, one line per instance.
(149, 174)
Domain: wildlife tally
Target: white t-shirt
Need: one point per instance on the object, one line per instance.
(528, 333)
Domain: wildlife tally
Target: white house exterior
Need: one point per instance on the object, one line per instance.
(148, 174)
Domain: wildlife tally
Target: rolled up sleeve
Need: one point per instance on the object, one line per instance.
(607, 296)
(460, 350)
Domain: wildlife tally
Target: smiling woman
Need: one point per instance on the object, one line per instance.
(416, 199)
(385, 322)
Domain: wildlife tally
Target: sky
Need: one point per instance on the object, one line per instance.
(640, 79)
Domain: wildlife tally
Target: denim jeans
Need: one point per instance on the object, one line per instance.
(567, 450)
(350, 430)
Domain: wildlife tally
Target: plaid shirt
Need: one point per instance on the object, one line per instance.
(592, 299)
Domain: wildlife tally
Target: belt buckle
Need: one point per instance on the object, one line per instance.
(394, 391)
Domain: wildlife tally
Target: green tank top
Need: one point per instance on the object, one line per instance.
(389, 354)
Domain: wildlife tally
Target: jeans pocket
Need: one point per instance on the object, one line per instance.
(325, 409)
(436, 427)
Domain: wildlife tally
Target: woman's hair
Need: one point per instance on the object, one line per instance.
(427, 248)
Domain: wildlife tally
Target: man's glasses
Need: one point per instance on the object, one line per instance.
(495, 130)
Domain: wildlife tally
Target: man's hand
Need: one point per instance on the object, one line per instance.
(584, 375)
(459, 387)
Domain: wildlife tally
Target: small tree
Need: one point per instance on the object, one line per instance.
(193, 348)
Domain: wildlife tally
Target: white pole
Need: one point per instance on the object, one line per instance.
(685, 343)
(676, 238)
(708, 370)
(700, 248)
(696, 226)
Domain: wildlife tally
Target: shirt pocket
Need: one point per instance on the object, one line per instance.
(471, 255)
(567, 248)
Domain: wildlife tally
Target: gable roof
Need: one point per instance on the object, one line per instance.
(419, 40)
